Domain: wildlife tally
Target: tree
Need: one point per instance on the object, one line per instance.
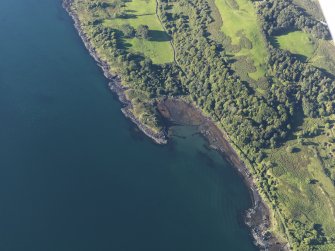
(128, 31)
(142, 32)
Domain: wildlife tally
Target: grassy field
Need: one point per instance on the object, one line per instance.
(324, 56)
(240, 20)
(318, 52)
(143, 12)
(296, 42)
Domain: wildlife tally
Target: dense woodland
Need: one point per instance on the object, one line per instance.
(279, 16)
(202, 73)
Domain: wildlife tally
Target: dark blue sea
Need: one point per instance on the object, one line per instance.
(76, 175)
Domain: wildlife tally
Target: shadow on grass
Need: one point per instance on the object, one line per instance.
(301, 58)
(296, 150)
(129, 15)
(274, 42)
(159, 36)
(130, 11)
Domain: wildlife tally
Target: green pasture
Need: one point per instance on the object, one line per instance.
(143, 12)
(239, 17)
(296, 42)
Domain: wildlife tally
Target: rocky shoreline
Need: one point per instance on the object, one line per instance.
(115, 81)
(257, 218)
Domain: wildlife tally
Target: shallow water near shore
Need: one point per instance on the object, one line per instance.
(76, 175)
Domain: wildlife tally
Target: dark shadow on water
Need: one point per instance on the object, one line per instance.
(196, 134)
(159, 36)
(203, 157)
(45, 99)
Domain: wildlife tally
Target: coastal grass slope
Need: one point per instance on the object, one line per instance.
(312, 7)
(302, 169)
(324, 56)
